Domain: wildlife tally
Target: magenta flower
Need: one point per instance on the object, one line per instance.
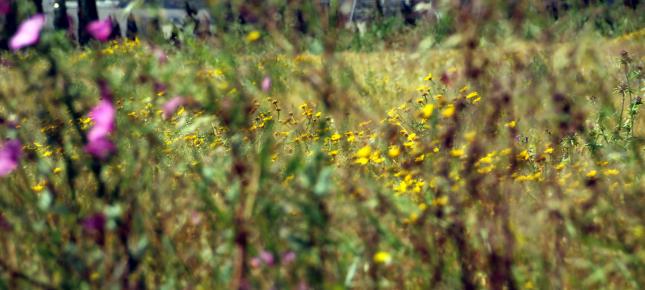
(266, 84)
(100, 29)
(5, 7)
(100, 148)
(10, 156)
(103, 115)
(94, 223)
(266, 257)
(98, 138)
(171, 106)
(28, 33)
(288, 257)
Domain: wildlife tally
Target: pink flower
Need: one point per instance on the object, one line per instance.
(100, 148)
(5, 7)
(196, 218)
(160, 55)
(266, 84)
(10, 156)
(104, 117)
(100, 29)
(256, 262)
(171, 106)
(28, 33)
(266, 257)
(288, 257)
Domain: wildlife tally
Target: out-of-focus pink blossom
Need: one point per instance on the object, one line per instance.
(5, 7)
(196, 218)
(161, 56)
(303, 286)
(94, 223)
(28, 33)
(171, 106)
(10, 156)
(266, 84)
(264, 258)
(98, 138)
(255, 262)
(100, 29)
(103, 115)
(100, 148)
(288, 257)
(267, 258)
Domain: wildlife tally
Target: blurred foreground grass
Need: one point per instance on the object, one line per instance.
(500, 164)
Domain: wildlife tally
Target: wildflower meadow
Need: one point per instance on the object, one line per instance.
(322, 145)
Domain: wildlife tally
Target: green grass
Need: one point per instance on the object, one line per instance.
(517, 165)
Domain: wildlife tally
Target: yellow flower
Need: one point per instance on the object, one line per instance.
(486, 169)
(58, 170)
(470, 136)
(253, 36)
(448, 111)
(610, 172)
(382, 257)
(426, 111)
(560, 166)
(376, 157)
(364, 152)
(487, 159)
(350, 136)
(412, 219)
(440, 201)
(418, 186)
(473, 97)
(529, 177)
(394, 151)
(548, 150)
(401, 187)
(524, 155)
(423, 88)
(510, 124)
(592, 173)
(457, 153)
(362, 161)
(39, 187)
(428, 77)
(335, 137)
(333, 153)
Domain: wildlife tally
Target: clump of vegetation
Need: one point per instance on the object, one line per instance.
(489, 151)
